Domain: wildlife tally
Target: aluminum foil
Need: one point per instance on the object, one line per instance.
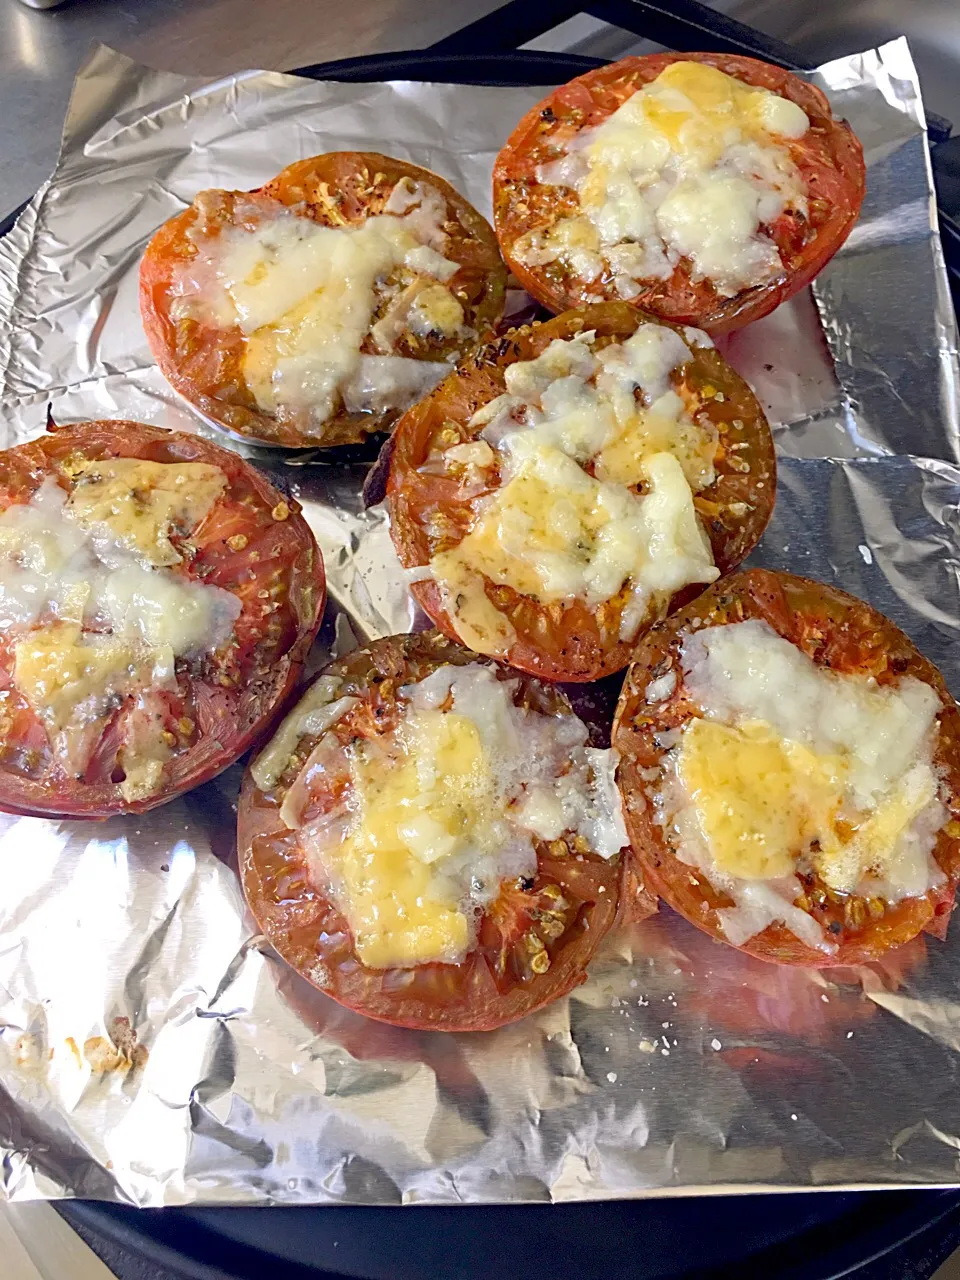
(154, 1050)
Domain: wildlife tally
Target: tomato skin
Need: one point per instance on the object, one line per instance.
(207, 371)
(581, 647)
(312, 936)
(829, 158)
(840, 632)
(229, 718)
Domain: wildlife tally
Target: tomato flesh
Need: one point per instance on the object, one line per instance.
(566, 908)
(203, 360)
(429, 515)
(828, 157)
(838, 632)
(224, 699)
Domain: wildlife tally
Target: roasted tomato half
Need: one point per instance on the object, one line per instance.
(706, 188)
(317, 308)
(790, 767)
(573, 480)
(158, 599)
(430, 840)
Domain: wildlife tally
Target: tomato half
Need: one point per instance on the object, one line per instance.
(428, 512)
(533, 942)
(203, 358)
(838, 632)
(252, 543)
(828, 158)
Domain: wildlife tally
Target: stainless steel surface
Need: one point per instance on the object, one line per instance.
(247, 1086)
(822, 29)
(40, 51)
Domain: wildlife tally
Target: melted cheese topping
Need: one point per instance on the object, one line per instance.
(438, 814)
(318, 709)
(51, 565)
(759, 798)
(304, 296)
(146, 749)
(797, 768)
(66, 563)
(479, 623)
(74, 682)
(691, 166)
(141, 503)
(556, 532)
(58, 669)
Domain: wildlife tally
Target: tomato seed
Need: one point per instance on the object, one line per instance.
(855, 912)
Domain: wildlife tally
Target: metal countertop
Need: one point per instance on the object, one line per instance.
(40, 51)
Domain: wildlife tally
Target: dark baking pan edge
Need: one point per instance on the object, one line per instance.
(876, 1234)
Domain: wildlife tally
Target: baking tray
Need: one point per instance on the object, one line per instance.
(816, 1237)
(871, 1235)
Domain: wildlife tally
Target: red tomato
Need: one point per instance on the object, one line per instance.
(839, 632)
(428, 513)
(828, 158)
(534, 942)
(203, 360)
(253, 543)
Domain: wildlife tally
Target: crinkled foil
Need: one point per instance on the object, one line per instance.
(154, 1050)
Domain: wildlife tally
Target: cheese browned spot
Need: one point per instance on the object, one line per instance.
(142, 503)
